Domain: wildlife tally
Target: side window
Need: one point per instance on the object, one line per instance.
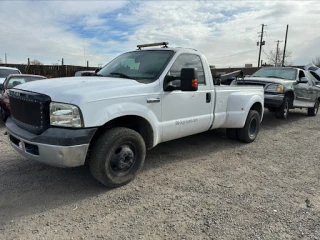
(301, 74)
(188, 61)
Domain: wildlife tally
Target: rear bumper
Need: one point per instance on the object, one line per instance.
(56, 146)
(273, 100)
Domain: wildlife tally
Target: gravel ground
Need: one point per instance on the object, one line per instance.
(199, 187)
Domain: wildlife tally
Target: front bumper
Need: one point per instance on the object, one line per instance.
(59, 147)
(273, 100)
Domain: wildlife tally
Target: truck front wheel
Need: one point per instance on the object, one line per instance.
(117, 156)
(251, 128)
(283, 111)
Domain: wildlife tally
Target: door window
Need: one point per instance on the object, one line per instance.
(188, 61)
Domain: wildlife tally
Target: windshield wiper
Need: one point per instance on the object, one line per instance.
(121, 75)
(274, 77)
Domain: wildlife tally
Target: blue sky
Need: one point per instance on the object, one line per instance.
(97, 31)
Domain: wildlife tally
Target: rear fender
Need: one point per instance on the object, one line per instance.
(238, 107)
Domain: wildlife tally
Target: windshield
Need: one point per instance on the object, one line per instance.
(139, 65)
(6, 72)
(14, 81)
(283, 73)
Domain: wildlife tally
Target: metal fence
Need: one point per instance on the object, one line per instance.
(51, 71)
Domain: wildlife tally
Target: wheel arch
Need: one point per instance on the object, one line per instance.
(290, 95)
(257, 106)
(134, 122)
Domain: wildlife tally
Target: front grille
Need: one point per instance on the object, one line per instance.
(30, 111)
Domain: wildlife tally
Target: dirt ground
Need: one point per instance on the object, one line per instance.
(199, 187)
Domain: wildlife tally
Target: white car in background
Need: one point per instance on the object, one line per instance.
(6, 71)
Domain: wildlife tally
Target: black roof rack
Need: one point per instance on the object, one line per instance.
(164, 44)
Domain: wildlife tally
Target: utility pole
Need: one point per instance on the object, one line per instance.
(260, 44)
(285, 45)
(5, 57)
(277, 52)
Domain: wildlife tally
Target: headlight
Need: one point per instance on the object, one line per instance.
(65, 115)
(275, 88)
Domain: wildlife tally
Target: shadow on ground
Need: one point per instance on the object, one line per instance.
(28, 187)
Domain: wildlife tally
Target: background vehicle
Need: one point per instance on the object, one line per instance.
(6, 71)
(10, 82)
(286, 88)
(84, 73)
(136, 101)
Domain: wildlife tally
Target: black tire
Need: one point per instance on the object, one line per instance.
(232, 133)
(251, 128)
(3, 114)
(283, 111)
(117, 156)
(314, 110)
(271, 109)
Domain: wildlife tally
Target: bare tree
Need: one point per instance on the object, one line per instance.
(35, 62)
(316, 61)
(276, 60)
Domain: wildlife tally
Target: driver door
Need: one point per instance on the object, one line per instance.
(186, 113)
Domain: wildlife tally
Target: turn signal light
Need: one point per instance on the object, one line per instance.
(194, 83)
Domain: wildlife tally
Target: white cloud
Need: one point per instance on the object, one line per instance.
(50, 30)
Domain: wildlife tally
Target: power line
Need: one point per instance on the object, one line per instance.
(235, 54)
(266, 53)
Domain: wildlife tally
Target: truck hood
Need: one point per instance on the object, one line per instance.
(267, 80)
(75, 89)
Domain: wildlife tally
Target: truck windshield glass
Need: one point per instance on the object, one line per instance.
(139, 65)
(6, 72)
(287, 74)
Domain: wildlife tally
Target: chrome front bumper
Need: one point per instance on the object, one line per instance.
(60, 156)
(59, 147)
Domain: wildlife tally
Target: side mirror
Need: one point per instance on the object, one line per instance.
(189, 79)
(303, 80)
(1, 87)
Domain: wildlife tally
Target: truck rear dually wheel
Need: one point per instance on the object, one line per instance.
(232, 133)
(117, 156)
(251, 128)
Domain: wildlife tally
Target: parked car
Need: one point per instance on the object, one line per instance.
(138, 100)
(84, 73)
(6, 71)
(312, 67)
(10, 82)
(286, 88)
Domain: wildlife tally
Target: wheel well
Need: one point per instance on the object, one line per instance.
(290, 95)
(136, 123)
(258, 107)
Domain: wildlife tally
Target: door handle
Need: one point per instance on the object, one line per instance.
(153, 100)
(208, 97)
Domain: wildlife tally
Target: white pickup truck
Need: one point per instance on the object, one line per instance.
(136, 101)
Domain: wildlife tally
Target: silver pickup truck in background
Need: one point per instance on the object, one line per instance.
(286, 88)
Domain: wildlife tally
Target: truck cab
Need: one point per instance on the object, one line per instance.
(137, 101)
